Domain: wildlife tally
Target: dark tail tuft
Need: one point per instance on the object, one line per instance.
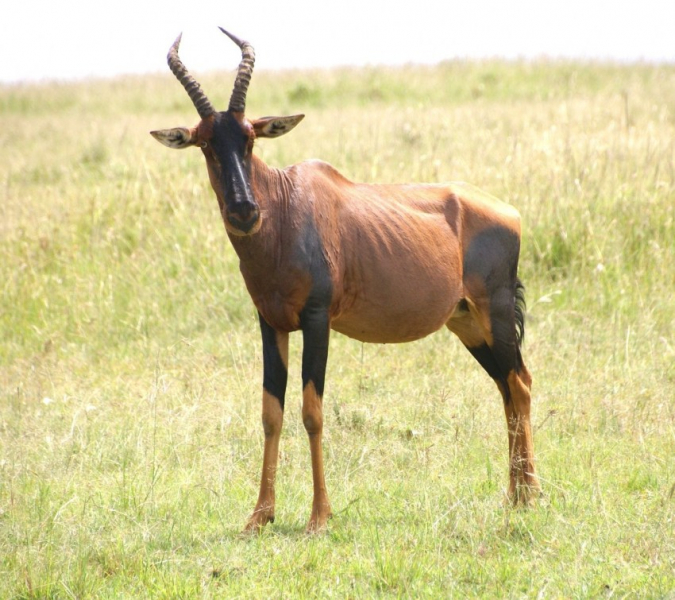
(520, 312)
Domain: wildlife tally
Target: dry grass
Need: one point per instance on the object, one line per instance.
(130, 443)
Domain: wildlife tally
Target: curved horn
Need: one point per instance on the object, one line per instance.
(194, 90)
(238, 98)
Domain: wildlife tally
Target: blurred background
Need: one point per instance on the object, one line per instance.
(77, 38)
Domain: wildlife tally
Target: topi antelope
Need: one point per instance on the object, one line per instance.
(378, 263)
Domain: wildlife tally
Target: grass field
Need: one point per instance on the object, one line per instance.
(130, 367)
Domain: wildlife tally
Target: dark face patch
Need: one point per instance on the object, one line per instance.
(228, 136)
(229, 149)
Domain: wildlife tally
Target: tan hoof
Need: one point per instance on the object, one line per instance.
(258, 520)
(525, 493)
(318, 522)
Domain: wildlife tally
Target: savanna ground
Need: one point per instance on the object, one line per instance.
(130, 366)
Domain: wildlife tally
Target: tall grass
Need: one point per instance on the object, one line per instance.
(130, 443)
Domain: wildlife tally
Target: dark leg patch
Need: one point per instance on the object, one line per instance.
(486, 358)
(315, 332)
(275, 374)
(492, 258)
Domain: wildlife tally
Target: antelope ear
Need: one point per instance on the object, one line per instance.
(271, 127)
(178, 137)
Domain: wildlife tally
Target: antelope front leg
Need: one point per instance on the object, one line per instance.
(315, 330)
(275, 366)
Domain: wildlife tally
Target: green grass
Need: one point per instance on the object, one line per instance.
(130, 367)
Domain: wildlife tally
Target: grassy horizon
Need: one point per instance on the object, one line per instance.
(130, 367)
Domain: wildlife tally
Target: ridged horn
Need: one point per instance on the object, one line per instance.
(194, 90)
(238, 98)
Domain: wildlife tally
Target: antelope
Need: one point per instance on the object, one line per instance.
(378, 263)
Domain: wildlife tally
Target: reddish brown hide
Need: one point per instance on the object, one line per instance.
(379, 263)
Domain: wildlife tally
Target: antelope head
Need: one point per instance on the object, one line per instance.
(226, 139)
